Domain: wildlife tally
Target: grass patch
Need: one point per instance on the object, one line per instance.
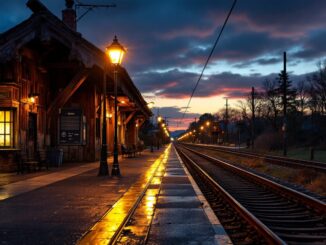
(310, 179)
(303, 154)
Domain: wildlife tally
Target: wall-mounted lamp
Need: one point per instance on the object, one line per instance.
(32, 97)
(150, 105)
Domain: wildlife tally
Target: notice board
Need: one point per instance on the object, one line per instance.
(71, 127)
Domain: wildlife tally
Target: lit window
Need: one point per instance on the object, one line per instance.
(6, 128)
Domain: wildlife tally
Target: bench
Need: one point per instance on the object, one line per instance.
(140, 148)
(129, 152)
(26, 162)
(42, 158)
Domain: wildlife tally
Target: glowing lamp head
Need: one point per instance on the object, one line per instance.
(208, 123)
(115, 51)
(150, 105)
(202, 127)
(159, 118)
(32, 97)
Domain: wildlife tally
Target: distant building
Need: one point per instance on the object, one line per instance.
(51, 91)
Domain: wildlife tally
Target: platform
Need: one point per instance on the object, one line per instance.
(165, 206)
(155, 201)
(182, 215)
(61, 210)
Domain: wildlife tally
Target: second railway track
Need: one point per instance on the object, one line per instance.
(278, 160)
(262, 210)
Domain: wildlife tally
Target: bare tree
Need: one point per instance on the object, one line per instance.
(317, 89)
(302, 96)
(272, 101)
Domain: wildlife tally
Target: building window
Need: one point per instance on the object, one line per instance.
(6, 128)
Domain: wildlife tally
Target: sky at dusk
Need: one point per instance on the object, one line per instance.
(168, 42)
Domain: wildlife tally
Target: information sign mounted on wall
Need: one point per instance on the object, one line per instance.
(71, 127)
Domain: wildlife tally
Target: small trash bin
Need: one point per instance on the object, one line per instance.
(60, 157)
(56, 157)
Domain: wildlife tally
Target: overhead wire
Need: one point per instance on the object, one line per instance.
(208, 58)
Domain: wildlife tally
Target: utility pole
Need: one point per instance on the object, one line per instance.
(284, 128)
(226, 119)
(252, 117)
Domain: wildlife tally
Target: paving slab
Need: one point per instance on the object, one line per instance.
(179, 216)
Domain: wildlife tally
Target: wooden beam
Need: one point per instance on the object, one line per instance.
(68, 91)
(130, 117)
(126, 109)
(141, 122)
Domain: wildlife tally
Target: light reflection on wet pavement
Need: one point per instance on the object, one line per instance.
(138, 225)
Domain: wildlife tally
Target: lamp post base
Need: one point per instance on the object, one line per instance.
(115, 170)
(104, 168)
(115, 165)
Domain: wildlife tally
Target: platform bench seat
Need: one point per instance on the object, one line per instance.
(127, 151)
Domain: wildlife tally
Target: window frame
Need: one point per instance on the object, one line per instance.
(11, 123)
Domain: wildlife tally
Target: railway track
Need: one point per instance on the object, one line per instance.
(278, 160)
(255, 210)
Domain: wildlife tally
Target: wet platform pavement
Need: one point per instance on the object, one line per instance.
(170, 209)
(77, 206)
(60, 212)
(182, 215)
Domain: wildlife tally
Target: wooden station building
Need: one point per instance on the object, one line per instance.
(51, 91)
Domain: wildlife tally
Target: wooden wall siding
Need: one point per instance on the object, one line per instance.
(64, 95)
(131, 133)
(84, 98)
(47, 69)
(7, 161)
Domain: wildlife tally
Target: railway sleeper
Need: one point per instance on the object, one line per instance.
(263, 210)
(304, 238)
(292, 223)
(271, 198)
(317, 230)
(240, 235)
(272, 207)
(297, 216)
(264, 202)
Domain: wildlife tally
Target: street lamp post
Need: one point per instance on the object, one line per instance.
(115, 52)
(104, 168)
(150, 106)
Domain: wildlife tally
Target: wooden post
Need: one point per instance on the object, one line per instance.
(252, 117)
(284, 106)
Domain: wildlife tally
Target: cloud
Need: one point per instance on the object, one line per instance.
(279, 18)
(174, 116)
(313, 46)
(173, 112)
(169, 41)
(178, 84)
